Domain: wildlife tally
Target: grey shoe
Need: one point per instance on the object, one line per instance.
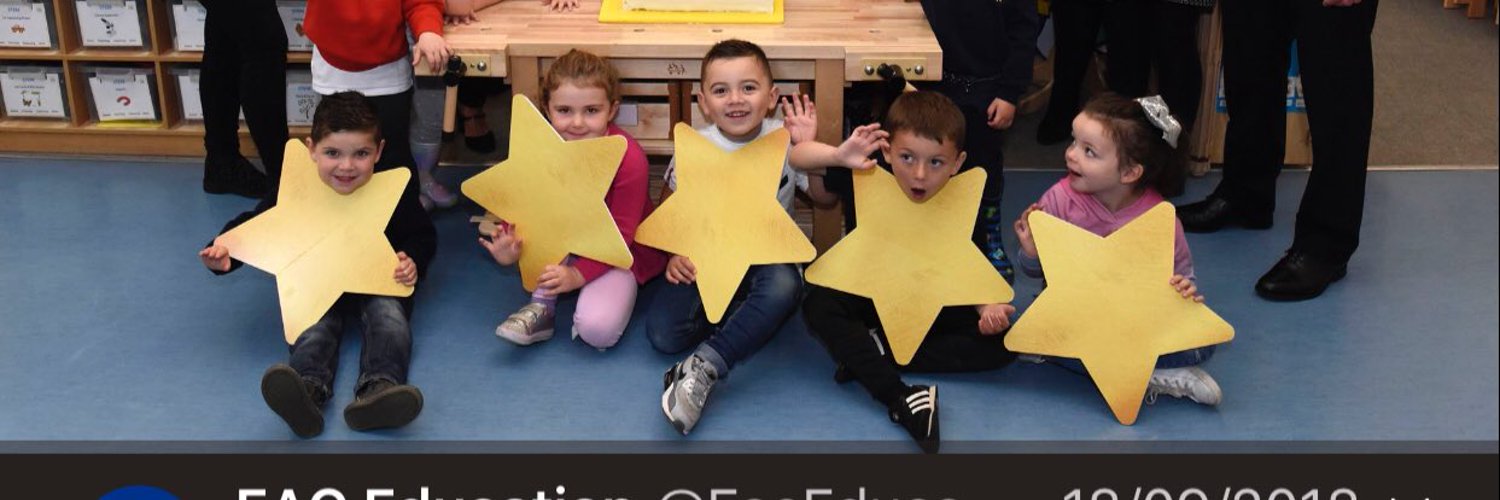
(1191, 382)
(687, 387)
(529, 325)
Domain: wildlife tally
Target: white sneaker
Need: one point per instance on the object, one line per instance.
(1191, 382)
(529, 325)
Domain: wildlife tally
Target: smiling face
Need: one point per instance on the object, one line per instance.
(346, 159)
(580, 112)
(736, 94)
(1093, 161)
(922, 166)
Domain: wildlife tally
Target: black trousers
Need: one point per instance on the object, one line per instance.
(1333, 49)
(1161, 35)
(244, 67)
(1076, 25)
(842, 322)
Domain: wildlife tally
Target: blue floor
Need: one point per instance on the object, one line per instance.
(110, 329)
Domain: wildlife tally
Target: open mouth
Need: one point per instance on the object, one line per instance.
(735, 115)
(345, 179)
(919, 193)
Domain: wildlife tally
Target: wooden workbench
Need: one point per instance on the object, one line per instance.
(824, 44)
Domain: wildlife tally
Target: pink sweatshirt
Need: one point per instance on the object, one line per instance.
(629, 202)
(1084, 211)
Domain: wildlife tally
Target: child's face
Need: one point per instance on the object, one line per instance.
(580, 112)
(922, 166)
(346, 159)
(1093, 159)
(736, 94)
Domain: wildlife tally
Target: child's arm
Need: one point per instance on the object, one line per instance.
(214, 256)
(854, 153)
(1021, 27)
(800, 118)
(561, 5)
(503, 244)
(425, 20)
(627, 201)
(819, 194)
(413, 236)
(1027, 260)
(1187, 288)
(994, 318)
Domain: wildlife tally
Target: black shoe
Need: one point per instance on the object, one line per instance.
(237, 177)
(1214, 213)
(291, 397)
(917, 411)
(1053, 130)
(480, 143)
(1299, 276)
(842, 375)
(383, 405)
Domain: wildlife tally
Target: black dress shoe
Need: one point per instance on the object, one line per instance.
(1298, 276)
(1214, 213)
(238, 177)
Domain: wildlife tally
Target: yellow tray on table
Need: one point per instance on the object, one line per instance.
(611, 11)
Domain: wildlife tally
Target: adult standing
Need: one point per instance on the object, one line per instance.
(244, 67)
(1333, 47)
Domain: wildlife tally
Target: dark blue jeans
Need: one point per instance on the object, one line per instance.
(766, 298)
(384, 356)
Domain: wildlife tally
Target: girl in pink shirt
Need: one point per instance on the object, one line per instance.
(580, 94)
(1123, 158)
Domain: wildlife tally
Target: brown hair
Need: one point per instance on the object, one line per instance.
(1138, 141)
(583, 69)
(345, 112)
(927, 114)
(732, 49)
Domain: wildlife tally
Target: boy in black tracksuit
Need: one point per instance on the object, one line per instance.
(345, 144)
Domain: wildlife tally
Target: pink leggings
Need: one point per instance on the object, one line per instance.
(604, 307)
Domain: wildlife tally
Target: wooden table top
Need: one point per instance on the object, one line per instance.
(856, 31)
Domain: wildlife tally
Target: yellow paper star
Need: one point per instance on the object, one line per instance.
(911, 258)
(552, 191)
(724, 215)
(1109, 303)
(321, 244)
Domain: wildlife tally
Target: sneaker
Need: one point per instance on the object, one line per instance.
(531, 324)
(1031, 358)
(437, 194)
(238, 177)
(383, 405)
(1191, 382)
(918, 413)
(292, 398)
(687, 387)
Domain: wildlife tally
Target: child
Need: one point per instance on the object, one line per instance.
(1122, 161)
(581, 93)
(737, 95)
(345, 144)
(360, 46)
(988, 50)
(927, 136)
(427, 113)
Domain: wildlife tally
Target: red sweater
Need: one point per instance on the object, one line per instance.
(356, 35)
(629, 202)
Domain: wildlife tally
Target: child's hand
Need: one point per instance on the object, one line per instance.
(215, 258)
(406, 270)
(680, 271)
(1023, 231)
(800, 118)
(460, 20)
(1001, 114)
(503, 244)
(1187, 288)
(994, 318)
(855, 151)
(559, 279)
(433, 48)
(561, 5)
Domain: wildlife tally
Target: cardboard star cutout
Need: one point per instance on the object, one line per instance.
(552, 191)
(911, 258)
(319, 243)
(724, 215)
(1109, 303)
